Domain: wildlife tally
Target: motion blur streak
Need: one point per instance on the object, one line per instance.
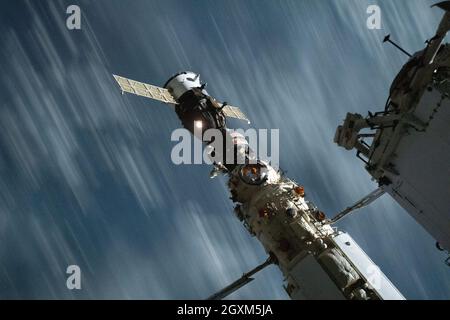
(86, 176)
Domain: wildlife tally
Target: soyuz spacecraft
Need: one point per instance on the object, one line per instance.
(318, 261)
(408, 155)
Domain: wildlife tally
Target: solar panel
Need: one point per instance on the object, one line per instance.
(145, 90)
(234, 112)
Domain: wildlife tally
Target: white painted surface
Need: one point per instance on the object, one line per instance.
(367, 268)
(423, 162)
(182, 83)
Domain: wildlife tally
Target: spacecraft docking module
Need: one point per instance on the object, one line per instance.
(406, 151)
(317, 261)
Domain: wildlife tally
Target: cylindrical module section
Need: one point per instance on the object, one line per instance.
(316, 262)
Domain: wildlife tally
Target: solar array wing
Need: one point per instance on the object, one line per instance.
(145, 90)
(234, 112)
